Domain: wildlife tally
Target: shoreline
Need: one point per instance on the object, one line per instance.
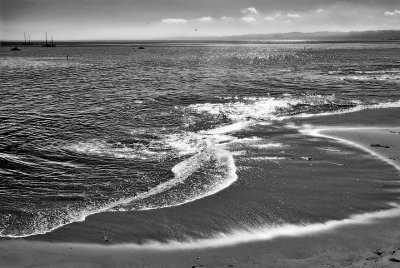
(347, 244)
(381, 142)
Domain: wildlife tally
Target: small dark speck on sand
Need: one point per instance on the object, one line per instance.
(378, 252)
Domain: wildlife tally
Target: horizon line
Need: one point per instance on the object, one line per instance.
(220, 37)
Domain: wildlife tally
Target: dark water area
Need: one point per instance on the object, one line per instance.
(181, 142)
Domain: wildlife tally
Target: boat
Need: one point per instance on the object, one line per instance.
(141, 47)
(47, 44)
(15, 49)
(29, 43)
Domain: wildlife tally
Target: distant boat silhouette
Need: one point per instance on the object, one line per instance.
(15, 49)
(141, 47)
(29, 42)
(47, 44)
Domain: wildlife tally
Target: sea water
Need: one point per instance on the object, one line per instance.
(180, 142)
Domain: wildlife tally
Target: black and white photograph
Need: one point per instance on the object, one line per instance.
(199, 133)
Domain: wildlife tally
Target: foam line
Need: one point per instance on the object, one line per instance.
(271, 232)
(181, 172)
(262, 233)
(317, 132)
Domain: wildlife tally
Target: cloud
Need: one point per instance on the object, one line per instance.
(250, 11)
(205, 19)
(250, 14)
(394, 13)
(269, 18)
(225, 18)
(174, 21)
(292, 15)
(248, 19)
(319, 11)
(273, 17)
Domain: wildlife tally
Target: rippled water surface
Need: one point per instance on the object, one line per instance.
(117, 128)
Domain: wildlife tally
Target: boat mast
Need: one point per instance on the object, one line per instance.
(24, 39)
(46, 38)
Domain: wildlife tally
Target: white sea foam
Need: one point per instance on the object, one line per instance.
(186, 143)
(115, 150)
(190, 142)
(239, 153)
(228, 128)
(96, 147)
(265, 110)
(220, 175)
(267, 158)
(248, 140)
(255, 109)
(268, 146)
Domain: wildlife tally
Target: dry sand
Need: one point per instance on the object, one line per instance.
(373, 244)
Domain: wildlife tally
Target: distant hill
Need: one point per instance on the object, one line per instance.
(385, 35)
(323, 36)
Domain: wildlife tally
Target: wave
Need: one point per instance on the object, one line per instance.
(389, 75)
(246, 109)
(249, 111)
(216, 171)
(208, 166)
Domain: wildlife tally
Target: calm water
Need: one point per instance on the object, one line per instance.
(120, 129)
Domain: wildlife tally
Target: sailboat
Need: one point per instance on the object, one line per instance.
(29, 41)
(47, 44)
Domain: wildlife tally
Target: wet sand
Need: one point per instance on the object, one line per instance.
(383, 143)
(370, 245)
(375, 243)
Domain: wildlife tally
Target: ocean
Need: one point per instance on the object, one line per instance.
(183, 142)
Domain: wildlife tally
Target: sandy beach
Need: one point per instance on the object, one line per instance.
(371, 245)
(369, 240)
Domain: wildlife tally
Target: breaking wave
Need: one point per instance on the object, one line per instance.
(206, 172)
(247, 111)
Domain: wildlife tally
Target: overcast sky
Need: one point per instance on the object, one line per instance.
(148, 19)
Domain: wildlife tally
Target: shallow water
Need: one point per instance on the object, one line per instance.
(200, 137)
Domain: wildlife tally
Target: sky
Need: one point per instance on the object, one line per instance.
(158, 19)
